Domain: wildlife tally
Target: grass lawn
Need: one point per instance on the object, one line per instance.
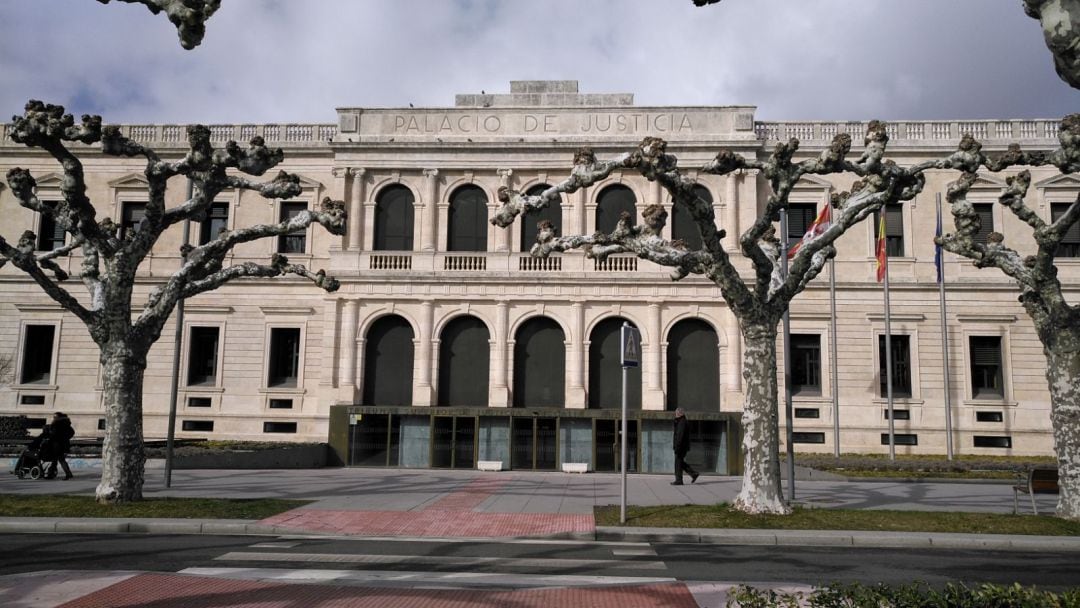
(723, 516)
(12, 505)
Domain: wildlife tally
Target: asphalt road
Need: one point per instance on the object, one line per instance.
(516, 564)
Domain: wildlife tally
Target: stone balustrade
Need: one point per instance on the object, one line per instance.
(915, 132)
(166, 136)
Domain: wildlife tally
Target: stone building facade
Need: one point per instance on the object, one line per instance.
(448, 344)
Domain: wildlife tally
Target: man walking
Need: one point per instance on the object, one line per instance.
(681, 444)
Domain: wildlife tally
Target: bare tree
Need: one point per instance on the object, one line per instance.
(109, 261)
(1057, 323)
(189, 16)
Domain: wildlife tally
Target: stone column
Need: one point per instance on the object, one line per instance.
(574, 219)
(431, 200)
(733, 362)
(347, 340)
(502, 235)
(731, 215)
(423, 393)
(575, 358)
(499, 393)
(653, 396)
(355, 234)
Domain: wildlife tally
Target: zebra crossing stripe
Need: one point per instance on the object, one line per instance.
(421, 579)
(429, 560)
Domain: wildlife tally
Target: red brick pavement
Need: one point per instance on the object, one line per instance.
(181, 591)
(452, 515)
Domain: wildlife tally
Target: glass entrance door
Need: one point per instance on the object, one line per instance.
(533, 444)
(608, 449)
(453, 442)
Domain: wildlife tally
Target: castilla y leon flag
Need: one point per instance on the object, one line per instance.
(882, 256)
(820, 225)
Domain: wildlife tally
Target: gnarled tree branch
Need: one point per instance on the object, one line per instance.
(189, 16)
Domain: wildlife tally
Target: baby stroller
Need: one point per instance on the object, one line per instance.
(37, 460)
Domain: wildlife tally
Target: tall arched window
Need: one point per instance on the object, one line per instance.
(394, 219)
(683, 226)
(468, 220)
(531, 219)
(693, 367)
(388, 362)
(463, 362)
(612, 201)
(605, 368)
(539, 364)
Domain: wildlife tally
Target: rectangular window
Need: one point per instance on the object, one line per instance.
(901, 366)
(131, 215)
(198, 402)
(799, 218)
(284, 364)
(987, 379)
(808, 438)
(280, 404)
(32, 400)
(985, 211)
(989, 417)
(1070, 245)
(805, 364)
(279, 427)
(900, 439)
(294, 242)
(984, 441)
(807, 412)
(37, 354)
(50, 235)
(894, 230)
(198, 426)
(217, 219)
(203, 356)
(897, 414)
(101, 424)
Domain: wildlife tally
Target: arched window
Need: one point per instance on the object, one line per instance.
(693, 367)
(612, 201)
(388, 362)
(605, 368)
(539, 364)
(683, 226)
(530, 220)
(468, 220)
(463, 362)
(394, 219)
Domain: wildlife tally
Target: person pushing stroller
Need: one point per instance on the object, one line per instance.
(46, 451)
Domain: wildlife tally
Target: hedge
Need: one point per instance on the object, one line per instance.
(915, 595)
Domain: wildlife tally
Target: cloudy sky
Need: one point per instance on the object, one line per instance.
(296, 60)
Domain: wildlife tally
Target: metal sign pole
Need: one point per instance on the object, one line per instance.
(631, 349)
(622, 446)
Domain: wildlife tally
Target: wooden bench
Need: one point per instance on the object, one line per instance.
(1039, 480)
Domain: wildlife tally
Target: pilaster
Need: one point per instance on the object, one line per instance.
(653, 396)
(502, 235)
(429, 225)
(499, 393)
(348, 348)
(575, 359)
(423, 393)
(357, 211)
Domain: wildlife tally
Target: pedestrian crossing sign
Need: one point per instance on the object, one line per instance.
(631, 346)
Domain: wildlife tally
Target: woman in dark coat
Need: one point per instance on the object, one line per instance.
(60, 434)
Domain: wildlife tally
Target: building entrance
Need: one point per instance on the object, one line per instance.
(608, 449)
(534, 444)
(453, 442)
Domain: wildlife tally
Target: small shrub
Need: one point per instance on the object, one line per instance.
(915, 595)
(13, 427)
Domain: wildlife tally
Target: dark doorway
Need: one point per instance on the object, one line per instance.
(693, 367)
(683, 226)
(468, 220)
(539, 364)
(453, 442)
(608, 449)
(534, 444)
(388, 362)
(394, 219)
(605, 368)
(611, 204)
(375, 441)
(464, 352)
(531, 219)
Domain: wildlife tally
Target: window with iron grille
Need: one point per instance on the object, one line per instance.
(894, 229)
(293, 242)
(901, 366)
(985, 211)
(217, 219)
(1070, 245)
(800, 216)
(805, 364)
(131, 215)
(987, 377)
(50, 235)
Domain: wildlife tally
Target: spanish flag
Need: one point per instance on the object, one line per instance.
(820, 225)
(882, 256)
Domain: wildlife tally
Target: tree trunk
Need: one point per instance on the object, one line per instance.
(761, 491)
(123, 455)
(1063, 377)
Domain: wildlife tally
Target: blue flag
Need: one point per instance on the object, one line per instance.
(937, 248)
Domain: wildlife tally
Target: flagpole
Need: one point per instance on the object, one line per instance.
(888, 349)
(833, 357)
(788, 414)
(944, 338)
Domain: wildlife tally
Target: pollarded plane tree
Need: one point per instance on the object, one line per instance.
(189, 16)
(758, 301)
(110, 258)
(1057, 323)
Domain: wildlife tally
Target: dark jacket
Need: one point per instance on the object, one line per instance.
(681, 442)
(60, 434)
